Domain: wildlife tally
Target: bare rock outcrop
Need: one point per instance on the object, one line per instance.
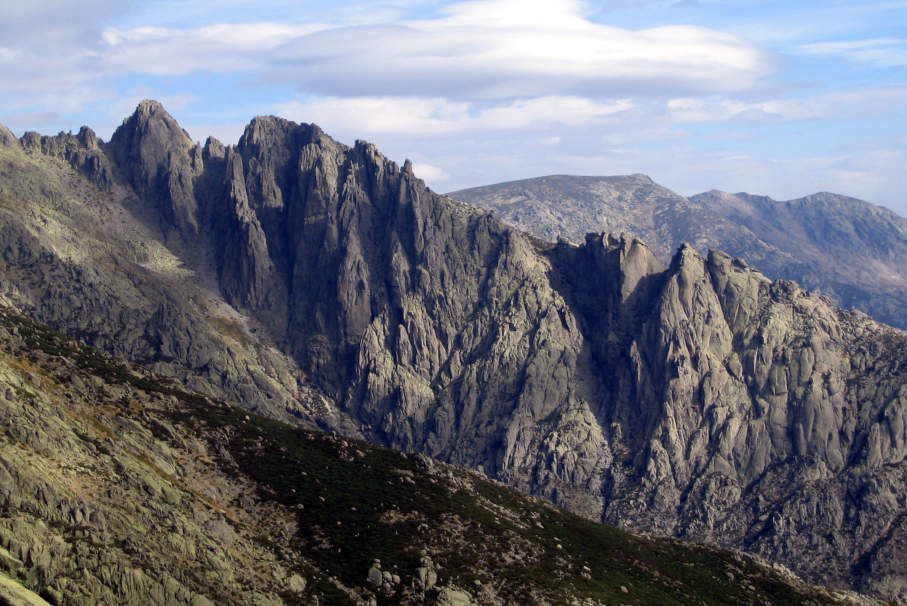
(160, 161)
(698, 399)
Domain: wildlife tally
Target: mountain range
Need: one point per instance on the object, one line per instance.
(120, 487)
(852, 251)
(324, 285)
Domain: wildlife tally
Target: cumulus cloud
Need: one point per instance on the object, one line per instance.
(551, 110)
(369, 115)
(48, 57)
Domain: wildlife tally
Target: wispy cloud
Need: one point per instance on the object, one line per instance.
(51, 24)
(870, 102)
(428, 172)
(885, 52)
(429, 117)
(224, 47)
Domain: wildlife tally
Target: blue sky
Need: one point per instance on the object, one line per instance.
(777, 98)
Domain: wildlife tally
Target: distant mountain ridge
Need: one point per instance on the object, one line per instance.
(851, 250)
(848, 248)
(325, 285)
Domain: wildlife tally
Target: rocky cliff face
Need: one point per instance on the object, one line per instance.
(119, 488)
(86, 250)
(306, 278)
(825, 241)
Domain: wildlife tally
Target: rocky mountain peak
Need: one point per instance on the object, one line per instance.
(82, 151)
(152, 128)
(825, 197)
(88, 138)
(214, 148)
(7, 138)
(150, 107)
(263, 129)
(161, 162)
(627, 259)
(642, 178)
(686, 254)
(271, 132)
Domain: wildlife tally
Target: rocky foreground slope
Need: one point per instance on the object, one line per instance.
(324, 284)
(119, 487)
(853, 251)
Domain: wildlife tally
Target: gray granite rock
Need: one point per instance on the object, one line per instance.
(324, 283)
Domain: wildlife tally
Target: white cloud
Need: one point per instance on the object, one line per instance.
(885, 52)
(369, 115)
(219, 48)
(494, 64)
(567, 111)
(545, 47)
(29, 120)
(56, 23)
(490, 49)
(866, 102)
(430, 173)
(421, 117)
